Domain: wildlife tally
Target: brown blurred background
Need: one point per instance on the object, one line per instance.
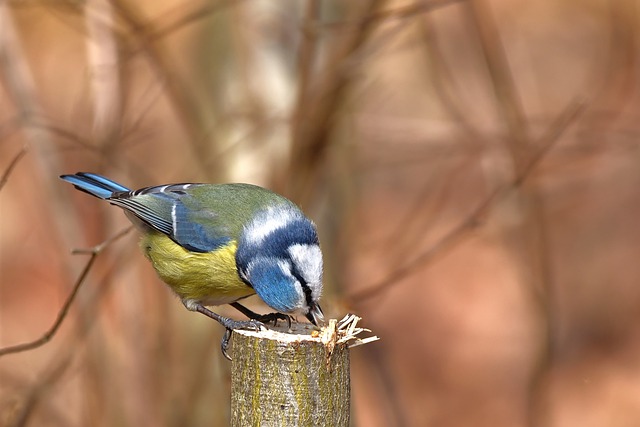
(472, 166)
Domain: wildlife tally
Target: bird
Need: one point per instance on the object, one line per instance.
(215, 244)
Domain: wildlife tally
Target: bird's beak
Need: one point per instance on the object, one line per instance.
(315, 315)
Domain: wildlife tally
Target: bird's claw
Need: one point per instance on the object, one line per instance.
(250, 325)
(255, 325)
(224, 344)
(274, 317)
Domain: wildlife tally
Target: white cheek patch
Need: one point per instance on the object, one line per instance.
(308, 261)
(267, 222)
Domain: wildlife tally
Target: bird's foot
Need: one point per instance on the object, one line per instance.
(274, 317)
(229, 324)
(249, 325)
(233, 325)
(264, 318)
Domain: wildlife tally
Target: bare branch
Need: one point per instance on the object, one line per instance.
(12, 165)
(449, 240)
(569, 115)
(62, 314)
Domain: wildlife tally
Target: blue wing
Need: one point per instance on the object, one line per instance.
(169, 209)
(172, 210)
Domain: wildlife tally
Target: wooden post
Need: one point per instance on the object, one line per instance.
(291, 378)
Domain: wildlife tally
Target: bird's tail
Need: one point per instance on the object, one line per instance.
(94, 184)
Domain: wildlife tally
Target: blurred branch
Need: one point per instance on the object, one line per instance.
(166, 24)
(533, 248)
(33, 396)
(21, 415)
(448, 241)
(179, 19)
(395, 13)
(504, 86)
(21, 386)
(123, 23)
(103, 63)
(419, 7)
(307, 50)
(61, 132)
(12, 165)
(615, 78)
(569, 115)
(476, 217)
(444, 83)
(318, 103)
(93, 252)
(183, 100)
(430, 202)
(21, 89)
(320, 100)
(430, 199)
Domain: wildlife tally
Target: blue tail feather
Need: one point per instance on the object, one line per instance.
(94, 184)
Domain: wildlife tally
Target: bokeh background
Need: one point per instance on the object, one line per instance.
(472, 165)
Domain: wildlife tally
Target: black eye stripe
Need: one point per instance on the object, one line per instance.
(305, 288)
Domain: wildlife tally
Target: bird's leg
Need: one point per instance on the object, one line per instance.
(229, 324)
(263, 318)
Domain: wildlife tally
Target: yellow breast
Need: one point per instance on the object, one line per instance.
(210, 278)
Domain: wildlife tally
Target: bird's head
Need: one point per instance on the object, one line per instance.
(279, 256)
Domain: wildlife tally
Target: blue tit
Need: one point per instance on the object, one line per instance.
(215, 244)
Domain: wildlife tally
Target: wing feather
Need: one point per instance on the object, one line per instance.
(171, 210)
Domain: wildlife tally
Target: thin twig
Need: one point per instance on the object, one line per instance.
(59, 131)
(452, 237)
(569, 115)
(12, 165)
(62, 314)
